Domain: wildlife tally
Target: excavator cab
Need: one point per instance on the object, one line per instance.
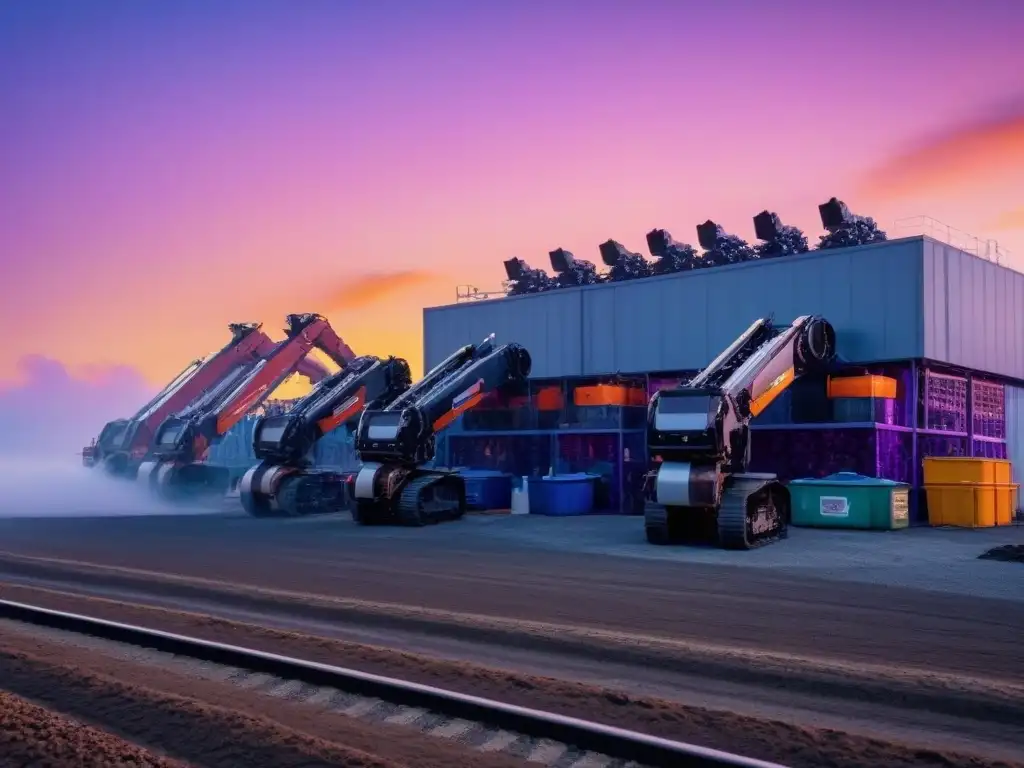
(700, 490)
(273, 432)
(688, 420)
(285, 482)
(395, 442)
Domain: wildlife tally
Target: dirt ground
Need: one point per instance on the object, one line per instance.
(209, 724)
(799, 747)
(457, 569)
(31, 735)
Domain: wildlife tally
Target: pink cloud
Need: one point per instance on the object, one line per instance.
(51, 410)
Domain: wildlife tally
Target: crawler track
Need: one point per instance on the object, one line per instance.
(552, 740)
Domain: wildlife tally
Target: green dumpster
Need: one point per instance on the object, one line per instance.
(849, 500)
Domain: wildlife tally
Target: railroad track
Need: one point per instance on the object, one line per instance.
(482, 724)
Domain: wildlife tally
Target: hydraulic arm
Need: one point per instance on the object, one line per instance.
(699, 433)
(284, 481)
(393, 486)
(124, 443)
(182, 441)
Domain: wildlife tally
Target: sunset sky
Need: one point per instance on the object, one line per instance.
(169, 167)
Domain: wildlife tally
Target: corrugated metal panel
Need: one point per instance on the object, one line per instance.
(871, 294)
(1015, 432)
(548, 325)
(973, 311)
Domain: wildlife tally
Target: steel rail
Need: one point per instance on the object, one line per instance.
(604, 739)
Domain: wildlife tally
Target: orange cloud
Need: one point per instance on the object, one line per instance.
(369, 289)
(1010, 219)
(975, 151)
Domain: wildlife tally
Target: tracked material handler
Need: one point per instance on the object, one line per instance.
(182, 442)
(284, 482)
(393, 487)
(699, 433)
(123, 444)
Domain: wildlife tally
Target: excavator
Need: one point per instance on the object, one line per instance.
(181, 444)
(284, 482)
(698, 435)
(393, 487)
(123, 444)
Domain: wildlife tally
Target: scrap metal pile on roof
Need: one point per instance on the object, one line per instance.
(843, 229)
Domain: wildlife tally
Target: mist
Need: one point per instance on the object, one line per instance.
(62, 487)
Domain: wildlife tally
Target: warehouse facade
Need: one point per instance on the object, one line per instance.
(945, 326)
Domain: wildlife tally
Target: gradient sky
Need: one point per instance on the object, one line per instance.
(169, 167)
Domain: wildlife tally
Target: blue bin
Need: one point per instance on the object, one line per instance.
(865, 410)
(487, 489)
(562, 495)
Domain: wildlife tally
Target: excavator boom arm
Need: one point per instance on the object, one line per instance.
(337, 401)
(247, 387)
(697, 421)
(305, 333)
(402, 431)
(134, 435)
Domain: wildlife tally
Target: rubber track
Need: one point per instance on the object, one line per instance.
(409, 507)
(732, 516)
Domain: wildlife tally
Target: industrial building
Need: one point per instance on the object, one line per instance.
(942, 330)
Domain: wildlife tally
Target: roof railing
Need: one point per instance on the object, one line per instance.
(937, 230)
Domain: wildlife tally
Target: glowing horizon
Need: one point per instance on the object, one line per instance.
(168, 171)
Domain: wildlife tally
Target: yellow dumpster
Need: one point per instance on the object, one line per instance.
(969, 493)
(959, 469)
(971, 505)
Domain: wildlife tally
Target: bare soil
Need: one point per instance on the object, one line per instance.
(209, 724)
(761, 738)
(31, 735)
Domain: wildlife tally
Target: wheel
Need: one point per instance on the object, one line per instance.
(255, 505)
(116, 464)
(364, 512)
(656, 534)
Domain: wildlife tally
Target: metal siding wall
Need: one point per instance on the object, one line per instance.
(1015, 431)
(973, 312)
(600, 338)
(548, 325)
(871, 294)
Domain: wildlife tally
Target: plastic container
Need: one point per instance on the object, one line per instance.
(562, 495)
(637, 396)
(971, 505)
(601, 394)
(969, 492)
(487, 489)
(941, 470)
(861, 386)
(549, 399)
(849, 500)
(860, 410)
(521, 497)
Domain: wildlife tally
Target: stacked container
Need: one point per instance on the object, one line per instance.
(864, 399)
(969, 492)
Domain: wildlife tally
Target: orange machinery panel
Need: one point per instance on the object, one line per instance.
(638, 396)
(861, 386)
(544, 399)
(549, 399)
(602, 394)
